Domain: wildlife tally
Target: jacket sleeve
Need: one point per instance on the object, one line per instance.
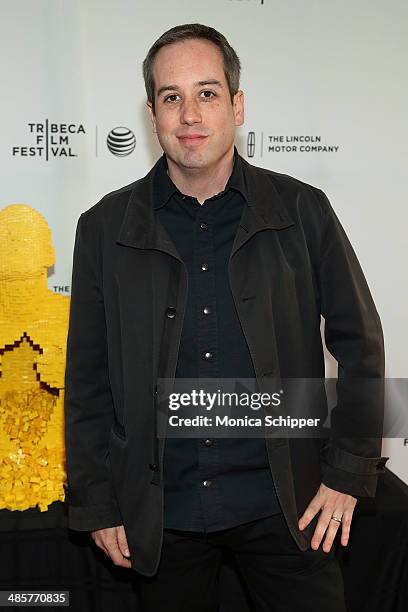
(351, 463)
(88, 401)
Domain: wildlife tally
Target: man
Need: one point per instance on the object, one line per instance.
(210, 267)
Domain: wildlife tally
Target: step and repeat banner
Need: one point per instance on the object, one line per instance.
(325, 101)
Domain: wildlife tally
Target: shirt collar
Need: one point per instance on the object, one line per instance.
(164, 188)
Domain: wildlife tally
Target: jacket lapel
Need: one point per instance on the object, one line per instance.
(140, 227)
(265, 209)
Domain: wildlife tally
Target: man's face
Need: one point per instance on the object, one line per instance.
(194, 116)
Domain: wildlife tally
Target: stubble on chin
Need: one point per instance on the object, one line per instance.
(193, 160)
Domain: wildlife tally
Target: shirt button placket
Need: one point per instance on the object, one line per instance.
(208, 455)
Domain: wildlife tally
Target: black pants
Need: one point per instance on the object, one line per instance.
(278, 576)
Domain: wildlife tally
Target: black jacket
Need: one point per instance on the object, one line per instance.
(293, 260)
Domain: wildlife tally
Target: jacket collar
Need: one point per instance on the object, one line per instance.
(265, 210)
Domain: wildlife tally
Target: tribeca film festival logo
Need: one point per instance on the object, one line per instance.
(49, 140)
(287, 143)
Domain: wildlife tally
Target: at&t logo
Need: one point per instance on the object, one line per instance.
(121, 141)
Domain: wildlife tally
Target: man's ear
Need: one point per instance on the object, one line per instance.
(152, 115)
(238, 106)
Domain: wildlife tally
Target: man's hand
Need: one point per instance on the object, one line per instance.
(113, 542)
(331, 503)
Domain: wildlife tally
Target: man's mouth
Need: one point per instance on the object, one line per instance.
(192, 139)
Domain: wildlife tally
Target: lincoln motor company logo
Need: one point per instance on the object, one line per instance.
(251, 144)
(261, 143)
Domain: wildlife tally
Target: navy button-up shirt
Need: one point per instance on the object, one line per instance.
(211, 484)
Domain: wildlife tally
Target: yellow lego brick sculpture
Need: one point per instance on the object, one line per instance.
(33, 331)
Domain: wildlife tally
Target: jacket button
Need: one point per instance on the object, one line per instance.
(203, 225)
(170, 312)
(207, 356)
(208, 442)
(207, 483)
(154, 467)
(204, 266)
(207, 310)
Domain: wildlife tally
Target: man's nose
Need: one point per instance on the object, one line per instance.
(190, 111)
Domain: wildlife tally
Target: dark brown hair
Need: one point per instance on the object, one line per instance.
(189, 31)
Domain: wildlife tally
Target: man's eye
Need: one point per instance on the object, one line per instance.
(207, 94)
(171, 98)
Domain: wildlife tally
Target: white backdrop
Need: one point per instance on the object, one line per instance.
(330, 73)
